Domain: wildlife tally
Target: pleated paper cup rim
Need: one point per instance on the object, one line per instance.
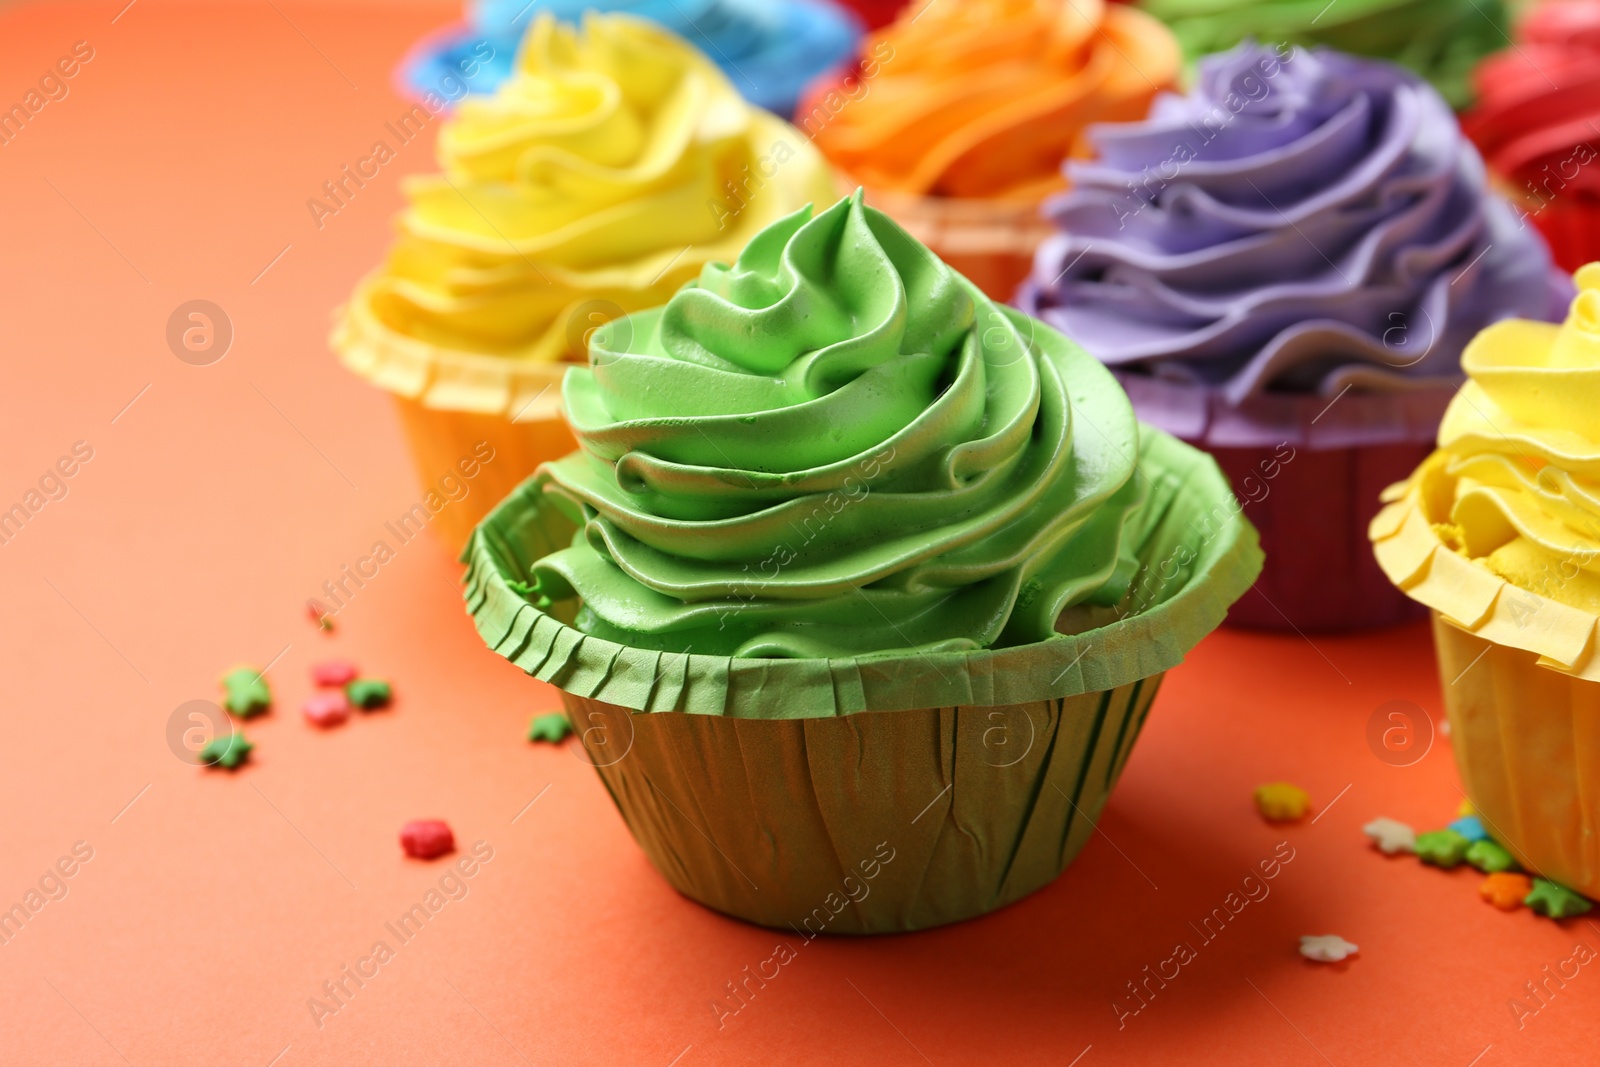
(1473, 598)
(1222, 561)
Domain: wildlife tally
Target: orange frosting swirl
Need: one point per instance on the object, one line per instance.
(986, 98)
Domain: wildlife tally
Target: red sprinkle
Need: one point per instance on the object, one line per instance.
(327, 709)
(339, 672)
(427, 838)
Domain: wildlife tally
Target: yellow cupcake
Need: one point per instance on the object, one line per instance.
(613, 165)
(1499, 533)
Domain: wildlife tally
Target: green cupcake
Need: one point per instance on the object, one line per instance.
(1442, 40)
(855, 571)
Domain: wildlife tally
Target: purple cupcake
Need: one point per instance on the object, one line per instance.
(1282, 267)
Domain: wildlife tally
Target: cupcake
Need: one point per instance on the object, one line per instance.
(769, 49)
(1282, 267)
(601, 177)
(1441, 40)
(860, 586)
(875, 13)
(958, 115)
(1537, 123)
(1498, 533)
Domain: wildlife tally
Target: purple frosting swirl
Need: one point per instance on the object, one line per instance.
(1303, 221)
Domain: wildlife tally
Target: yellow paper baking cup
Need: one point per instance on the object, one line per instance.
(1527, 742)
(440, 438)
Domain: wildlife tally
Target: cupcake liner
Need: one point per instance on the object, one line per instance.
(972, 807)
(440, 439)
(990, 242)
(1309, 471)
(753, 783)
(1527, 743)
(451, 401)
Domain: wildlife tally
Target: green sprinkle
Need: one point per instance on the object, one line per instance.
(246, 692)
(229, 751)
(1442, 848)
(1489, 857)
(1556, 901)
(369, 693)
(553, 728)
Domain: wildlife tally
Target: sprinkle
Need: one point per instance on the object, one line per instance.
(1506, 890)
(246, 692)
(229, 751)
(369, 693)
(319, 615)
(332, 672)
(327, 709)
(426, 839)
(1555, 900)
(1326, 948)
(553, 728)
(1489, 857)
(1442, 848)
(1470, 827)
(1391, 836)
(1466, 808)
(1282, 802)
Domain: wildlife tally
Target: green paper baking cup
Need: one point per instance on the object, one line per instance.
(880, 793)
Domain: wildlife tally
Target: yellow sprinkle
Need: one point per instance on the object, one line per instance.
(1466, 808)
(1282, 802)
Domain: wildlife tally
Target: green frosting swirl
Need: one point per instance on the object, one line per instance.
(838, 447)
(1442, 40)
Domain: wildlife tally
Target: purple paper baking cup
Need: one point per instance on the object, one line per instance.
(1309, 471)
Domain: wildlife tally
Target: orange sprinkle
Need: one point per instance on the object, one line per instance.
(1505, 890)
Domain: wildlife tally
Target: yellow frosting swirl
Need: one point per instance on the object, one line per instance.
(1515, 484)
(613, 165)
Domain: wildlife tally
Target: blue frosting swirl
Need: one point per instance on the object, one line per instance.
(770, 49)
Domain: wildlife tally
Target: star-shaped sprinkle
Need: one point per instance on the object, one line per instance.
(245, 692)
(1391, 836)
(1470, 827)
(1556, 901)
(1282, 802)
(1505, 890)
(1442, 848)
(228, 751)
(1490, 857)
(1326, 948)
(369, 693)
(553, 728)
